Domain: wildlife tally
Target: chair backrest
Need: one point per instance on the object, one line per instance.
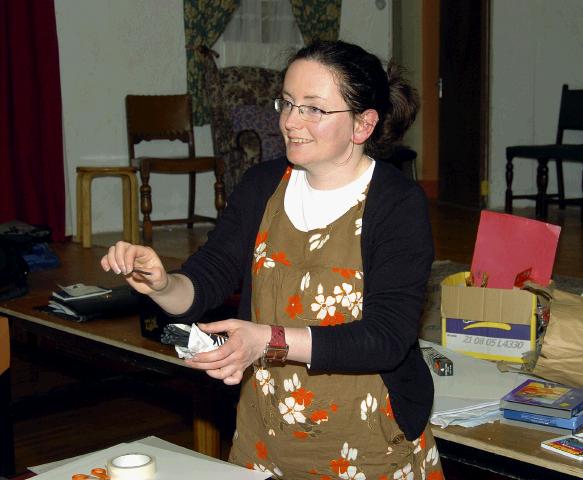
(241, 95)
(4, 345)
(159, 117)
(571, 111)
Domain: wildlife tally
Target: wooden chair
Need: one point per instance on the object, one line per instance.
(570, 118)
(6, 432)
(168, 117)
(244, 124)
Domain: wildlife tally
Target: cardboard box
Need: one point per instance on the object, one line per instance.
(488, 323)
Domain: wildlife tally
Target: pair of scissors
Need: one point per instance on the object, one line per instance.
(96, 473)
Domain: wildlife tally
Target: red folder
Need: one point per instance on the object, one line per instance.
(508, 246)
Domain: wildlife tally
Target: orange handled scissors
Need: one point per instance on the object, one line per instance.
(96, 473)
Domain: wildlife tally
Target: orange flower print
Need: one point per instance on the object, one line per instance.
(287, 173)
(423, 441)
(333, 407)
(294, 306)
(319, 416)
(339, 466)
(303, 396)
(261, 449)
(344, 272)
(435, 476)
(261, 238)
(331, 320)
(388, 409)
(280, 257)
(301, 435)
(348, 273)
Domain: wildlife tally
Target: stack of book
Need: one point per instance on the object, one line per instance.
(545, 406)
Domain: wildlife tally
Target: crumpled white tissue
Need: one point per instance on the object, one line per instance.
(198, 341)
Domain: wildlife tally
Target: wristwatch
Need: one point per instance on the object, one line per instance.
(276, 349)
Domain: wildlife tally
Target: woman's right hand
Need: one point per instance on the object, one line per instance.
(123, 258)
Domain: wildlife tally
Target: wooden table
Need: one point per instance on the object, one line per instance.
(496, 447)
(118, 339)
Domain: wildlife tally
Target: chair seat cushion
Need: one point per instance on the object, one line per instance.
(264, 121)
(565, 152)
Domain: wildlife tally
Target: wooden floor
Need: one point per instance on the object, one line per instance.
(85, 415)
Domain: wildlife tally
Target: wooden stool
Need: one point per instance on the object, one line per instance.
(85, 175)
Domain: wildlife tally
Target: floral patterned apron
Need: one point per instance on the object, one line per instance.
(297, 424)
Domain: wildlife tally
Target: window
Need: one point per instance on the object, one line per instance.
(261, 33)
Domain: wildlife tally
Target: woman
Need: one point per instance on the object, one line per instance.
(328, 238)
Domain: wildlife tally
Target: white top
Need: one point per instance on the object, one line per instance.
(309, 208)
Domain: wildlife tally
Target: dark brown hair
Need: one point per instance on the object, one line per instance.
(364, 84)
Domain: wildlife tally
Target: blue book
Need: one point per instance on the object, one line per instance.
(572, 423)
(545, 398)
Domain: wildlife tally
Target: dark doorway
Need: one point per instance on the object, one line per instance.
(463, 104)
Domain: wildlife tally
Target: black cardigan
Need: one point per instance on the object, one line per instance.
(397, 251)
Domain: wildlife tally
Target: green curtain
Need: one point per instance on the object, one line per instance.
(204, 21)
(317, 19)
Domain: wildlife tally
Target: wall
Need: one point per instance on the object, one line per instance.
(109, 48)
(536, 48)
(408, 53)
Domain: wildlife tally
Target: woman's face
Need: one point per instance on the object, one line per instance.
(316, 146)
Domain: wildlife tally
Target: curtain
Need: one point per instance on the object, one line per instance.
(317, 19)
(204, 21)
(32, 183)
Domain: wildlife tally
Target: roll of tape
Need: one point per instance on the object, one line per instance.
(132, 466)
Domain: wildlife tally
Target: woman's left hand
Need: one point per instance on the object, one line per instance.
(246, 344)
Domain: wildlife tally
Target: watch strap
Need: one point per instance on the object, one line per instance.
(277, 336)
(277, 348)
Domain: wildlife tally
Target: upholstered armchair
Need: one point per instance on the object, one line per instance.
(244, 124)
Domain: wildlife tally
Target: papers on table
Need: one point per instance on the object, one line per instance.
(471, 396)
(172, 463)
(79, 291)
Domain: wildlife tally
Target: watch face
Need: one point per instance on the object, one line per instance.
(275, 354)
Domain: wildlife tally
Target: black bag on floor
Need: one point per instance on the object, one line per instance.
(13, 271)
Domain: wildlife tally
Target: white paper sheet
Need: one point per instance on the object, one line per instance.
(472, 394)
(170, 465)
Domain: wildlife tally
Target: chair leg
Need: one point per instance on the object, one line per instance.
(146, 203)
(127, 207)
(509, 179)
(86, 210)
(542, 181)
(79, 233)
(191, 196)
(135, 236)
(560, 183)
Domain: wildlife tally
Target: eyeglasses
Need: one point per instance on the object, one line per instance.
(307, 113)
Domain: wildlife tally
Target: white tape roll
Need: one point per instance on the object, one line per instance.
(132, 466)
